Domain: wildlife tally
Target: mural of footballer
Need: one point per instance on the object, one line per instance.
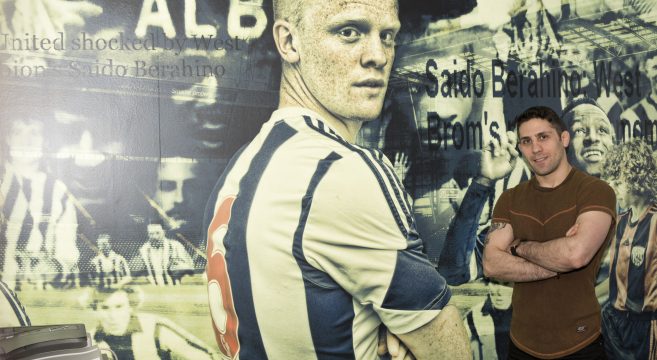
(312, 242)
(628, 320)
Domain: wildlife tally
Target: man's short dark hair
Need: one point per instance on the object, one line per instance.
(541, 112)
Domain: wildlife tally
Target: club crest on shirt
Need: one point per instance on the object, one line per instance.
(638, 254)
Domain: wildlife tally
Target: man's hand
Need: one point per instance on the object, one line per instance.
(401, 165)
(513, 243)
(499, 263)
(573, 230)
(390, 344)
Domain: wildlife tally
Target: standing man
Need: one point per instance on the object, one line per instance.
(311, 243)
(109, 268)
(165, 261)
(38, 222)
(548, 235)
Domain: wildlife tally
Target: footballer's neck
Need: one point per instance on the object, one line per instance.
(294, 93)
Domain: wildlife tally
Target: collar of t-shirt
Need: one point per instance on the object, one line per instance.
(538, 186)
(293, 112)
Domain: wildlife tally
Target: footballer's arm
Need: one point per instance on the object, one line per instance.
(444, 337)
(500, 264)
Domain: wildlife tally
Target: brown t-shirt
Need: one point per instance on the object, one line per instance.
(558, 316)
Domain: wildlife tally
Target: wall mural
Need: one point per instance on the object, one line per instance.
(117, 118)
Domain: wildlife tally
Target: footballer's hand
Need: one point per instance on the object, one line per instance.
(498, 157)
(401, 165)
(390, 344)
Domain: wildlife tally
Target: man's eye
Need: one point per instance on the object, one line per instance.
(349, 33)
(388, 37)
(580, 131)
(603, 130)
(524, 141)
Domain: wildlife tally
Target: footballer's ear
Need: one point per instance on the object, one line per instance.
(284, 39)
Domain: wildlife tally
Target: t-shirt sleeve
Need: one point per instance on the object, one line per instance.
(596, 195)
(501, 212)
(361, 233)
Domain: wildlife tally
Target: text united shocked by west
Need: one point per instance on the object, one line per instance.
(153, 41)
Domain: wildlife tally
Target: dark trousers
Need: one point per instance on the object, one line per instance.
(594, 351)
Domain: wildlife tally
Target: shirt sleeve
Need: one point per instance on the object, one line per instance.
(501, 211)
(360, 232)
(596, 195)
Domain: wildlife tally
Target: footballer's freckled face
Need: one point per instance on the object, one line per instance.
(346, 50)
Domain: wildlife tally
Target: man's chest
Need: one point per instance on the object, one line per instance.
(542, 217)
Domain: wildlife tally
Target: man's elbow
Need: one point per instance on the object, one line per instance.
(489, 268)
(579, 259)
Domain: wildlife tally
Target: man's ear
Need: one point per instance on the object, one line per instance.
(565, 138)
(284, 40)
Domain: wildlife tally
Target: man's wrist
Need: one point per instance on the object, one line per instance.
(482, 180)
(514, 249)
